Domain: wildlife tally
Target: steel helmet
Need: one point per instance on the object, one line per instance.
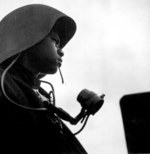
(27, 25)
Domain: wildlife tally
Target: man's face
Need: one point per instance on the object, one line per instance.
(47, 54)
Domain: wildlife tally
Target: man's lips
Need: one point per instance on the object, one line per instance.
(59, 62)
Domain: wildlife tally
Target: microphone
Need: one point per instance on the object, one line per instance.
(90, 101)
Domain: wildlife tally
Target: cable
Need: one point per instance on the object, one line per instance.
(51, 92)
(61, 75)
(82, 126)
(5, 94)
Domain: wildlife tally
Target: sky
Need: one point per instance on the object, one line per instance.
(109, 54)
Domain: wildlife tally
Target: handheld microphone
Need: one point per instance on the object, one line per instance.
(90, 101)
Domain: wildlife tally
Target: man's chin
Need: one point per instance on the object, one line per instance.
(52, 71)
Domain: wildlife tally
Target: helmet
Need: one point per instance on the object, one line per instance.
(27, 25)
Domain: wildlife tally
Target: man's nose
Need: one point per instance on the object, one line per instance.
(60, 52)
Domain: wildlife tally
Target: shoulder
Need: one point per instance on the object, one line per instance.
(1, 71)
(6, 80)
(9, 85)
(6, 83)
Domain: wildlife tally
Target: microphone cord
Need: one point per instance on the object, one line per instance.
(85, 122)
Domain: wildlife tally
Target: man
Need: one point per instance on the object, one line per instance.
(32, 38)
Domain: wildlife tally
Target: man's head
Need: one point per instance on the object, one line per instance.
(44, 57)
(30, 27)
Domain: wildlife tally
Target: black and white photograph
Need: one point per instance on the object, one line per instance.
(75, 76)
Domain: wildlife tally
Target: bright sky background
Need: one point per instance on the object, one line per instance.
(109, 54)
